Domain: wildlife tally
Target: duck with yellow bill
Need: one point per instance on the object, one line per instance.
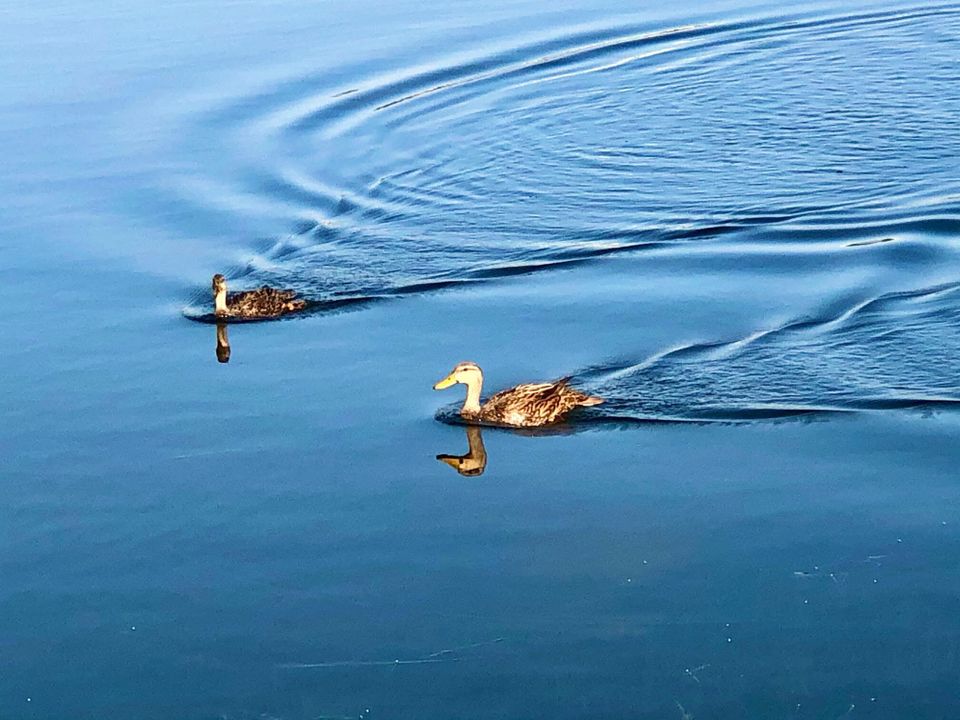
(529, 405)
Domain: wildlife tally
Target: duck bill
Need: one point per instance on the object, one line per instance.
(451, 460)
(445, 383)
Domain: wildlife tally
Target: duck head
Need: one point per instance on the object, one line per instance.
(469, 374)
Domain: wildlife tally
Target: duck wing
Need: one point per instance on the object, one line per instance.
(535, 404)
(264, 302)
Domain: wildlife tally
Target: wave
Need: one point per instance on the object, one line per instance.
(896, 351)
(521, 156)
(893, 352)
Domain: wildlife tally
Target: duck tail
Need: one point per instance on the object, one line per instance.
(579, 397)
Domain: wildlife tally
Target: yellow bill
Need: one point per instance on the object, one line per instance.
(445, 383)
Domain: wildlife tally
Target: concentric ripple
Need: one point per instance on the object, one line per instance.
(823, 130)
(592, 142)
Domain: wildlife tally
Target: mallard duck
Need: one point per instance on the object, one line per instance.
(522, 406)
(266, 302)
(475, 461)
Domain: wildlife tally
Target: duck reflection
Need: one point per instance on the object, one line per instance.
(223, 343)
(475, 461)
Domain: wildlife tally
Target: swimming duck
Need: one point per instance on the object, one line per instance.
(266, 302)
(522, 406)
(475, 461)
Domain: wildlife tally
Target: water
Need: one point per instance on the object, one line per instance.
(735, 222)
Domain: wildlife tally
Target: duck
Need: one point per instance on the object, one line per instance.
(265, 302)
(474, 462)
(530, 405)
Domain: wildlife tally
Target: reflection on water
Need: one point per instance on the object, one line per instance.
(223, 343)
(474, 461)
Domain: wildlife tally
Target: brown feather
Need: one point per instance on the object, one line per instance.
(534, 404)
(263, 303)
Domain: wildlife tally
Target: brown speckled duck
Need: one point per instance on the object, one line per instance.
(266, 302)
(522, 406)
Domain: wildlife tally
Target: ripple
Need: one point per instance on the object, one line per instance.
(818, 135)
(519, 156)
(891, 352)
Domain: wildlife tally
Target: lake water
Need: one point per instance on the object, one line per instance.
(738, 223)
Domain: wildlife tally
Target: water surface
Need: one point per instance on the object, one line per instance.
(736, 222)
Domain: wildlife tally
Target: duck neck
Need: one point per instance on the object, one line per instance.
(471, 405)
(477, 452)
(220, 302)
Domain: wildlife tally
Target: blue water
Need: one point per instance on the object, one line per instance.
(737, 223)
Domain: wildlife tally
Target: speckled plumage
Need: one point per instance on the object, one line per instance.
(534, 404)
(265, 302)
(529, 405)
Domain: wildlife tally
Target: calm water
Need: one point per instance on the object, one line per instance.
(739, 223)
